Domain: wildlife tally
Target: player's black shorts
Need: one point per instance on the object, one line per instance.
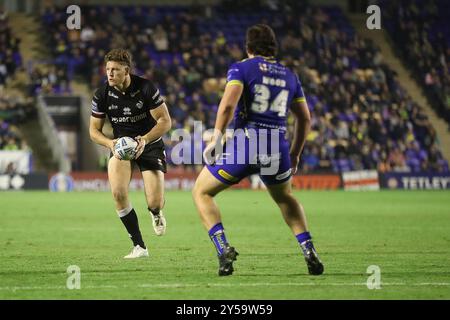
(153, 157)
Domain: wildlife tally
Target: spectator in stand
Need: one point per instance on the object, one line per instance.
(160, 39)
(424, 45)
(397, 160)
(10, 57)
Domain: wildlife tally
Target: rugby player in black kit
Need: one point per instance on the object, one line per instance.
(135, 109)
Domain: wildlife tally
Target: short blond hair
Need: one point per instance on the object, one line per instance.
(121, 56)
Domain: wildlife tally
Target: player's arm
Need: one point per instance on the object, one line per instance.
(227, 106)
(96, 134)
(163, 124)
(302, 125)
(97, 121)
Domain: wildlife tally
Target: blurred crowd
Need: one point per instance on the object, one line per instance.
(10, 58)
(9, 138)
(420, 30)
(47, 78)
(362, 117)
(13, 109)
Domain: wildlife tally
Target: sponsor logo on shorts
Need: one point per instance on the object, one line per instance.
(283, 175)
(226, 175)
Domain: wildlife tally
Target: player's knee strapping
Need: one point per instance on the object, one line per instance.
(123, 212)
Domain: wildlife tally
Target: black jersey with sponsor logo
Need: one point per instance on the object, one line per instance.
(129, 111)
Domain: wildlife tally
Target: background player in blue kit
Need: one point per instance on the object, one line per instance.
(258, 93)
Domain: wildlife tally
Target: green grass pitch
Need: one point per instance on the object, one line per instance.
(406, 234)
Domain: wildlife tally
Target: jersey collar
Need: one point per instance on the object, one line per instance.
(270, 59)
(129, 89)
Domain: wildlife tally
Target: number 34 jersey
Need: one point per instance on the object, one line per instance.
(269, 90)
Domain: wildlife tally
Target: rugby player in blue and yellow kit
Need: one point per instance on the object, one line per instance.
(259, 93)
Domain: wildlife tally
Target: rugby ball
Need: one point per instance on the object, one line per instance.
(125, 147)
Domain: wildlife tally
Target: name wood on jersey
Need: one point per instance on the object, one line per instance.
(274, 82)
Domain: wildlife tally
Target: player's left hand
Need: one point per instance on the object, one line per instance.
(140, 147)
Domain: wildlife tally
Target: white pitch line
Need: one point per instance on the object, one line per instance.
(270, 284)
(218, 285)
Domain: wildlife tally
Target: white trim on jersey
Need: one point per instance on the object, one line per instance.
(156, 94)
(154, 141)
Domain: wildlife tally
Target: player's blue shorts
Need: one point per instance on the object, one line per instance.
(254, 151)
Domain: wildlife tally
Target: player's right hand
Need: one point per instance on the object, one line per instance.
(111, 147)
(212, 152)
(294, 163)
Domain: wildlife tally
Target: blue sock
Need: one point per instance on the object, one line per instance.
(305, 246)
(302, 237)
(217, 235)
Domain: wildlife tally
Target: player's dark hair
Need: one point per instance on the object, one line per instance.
(261, 40)
(121, 56)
